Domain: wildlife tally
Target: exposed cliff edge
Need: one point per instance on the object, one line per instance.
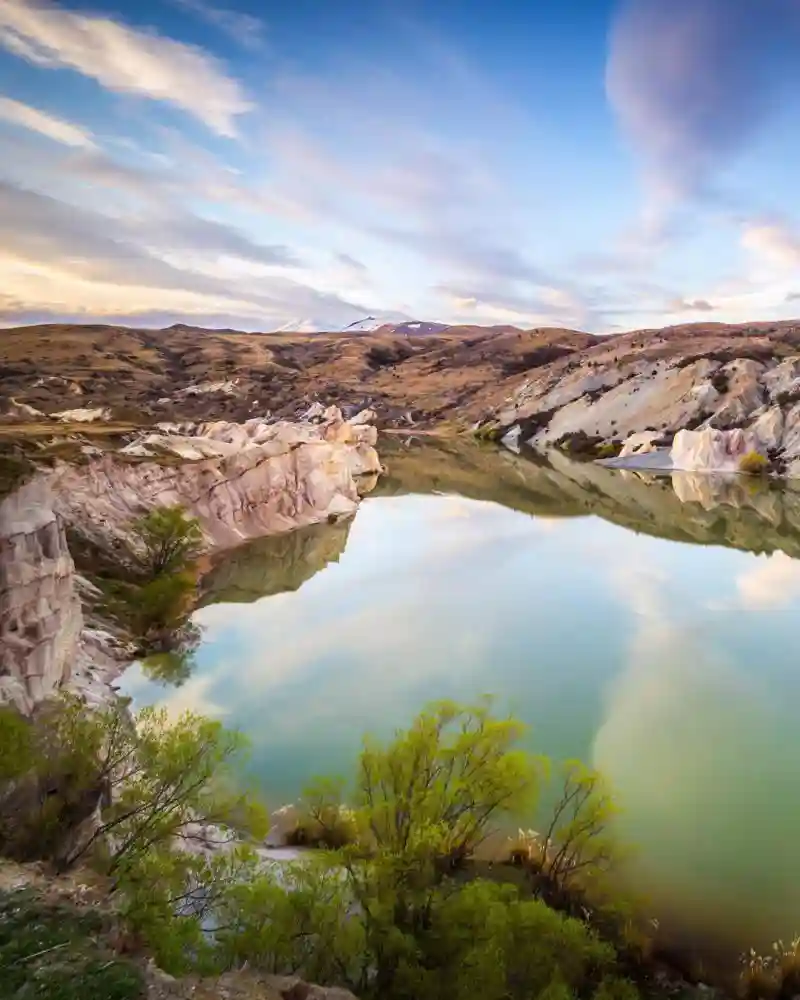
(660, 383)
(265, 479)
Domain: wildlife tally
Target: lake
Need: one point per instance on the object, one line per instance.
(645, 625)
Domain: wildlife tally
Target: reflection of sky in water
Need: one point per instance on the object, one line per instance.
(670, 666)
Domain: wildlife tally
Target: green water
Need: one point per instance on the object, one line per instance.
(646, 626)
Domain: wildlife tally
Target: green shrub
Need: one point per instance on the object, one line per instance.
(149, 778)
(54, 951)
(166, 541)
(753, 464)
(609, 450)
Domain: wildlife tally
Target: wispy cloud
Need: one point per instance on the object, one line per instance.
(691, 82)
(124, 60)
(70, 261)
(35, 120)
(245, 29)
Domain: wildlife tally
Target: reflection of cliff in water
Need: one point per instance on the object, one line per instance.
(274, 564)
(704, 510)
(737, 512)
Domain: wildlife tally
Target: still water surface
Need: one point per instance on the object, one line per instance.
(648, 627)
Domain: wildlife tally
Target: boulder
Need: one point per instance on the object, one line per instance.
(711, 450)
(639, 444)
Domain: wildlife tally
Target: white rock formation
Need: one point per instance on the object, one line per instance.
(712, 450)
(40, 611)
(83, 415)
(240, 480)
(639, 444)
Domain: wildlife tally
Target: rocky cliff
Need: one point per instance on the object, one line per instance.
(663, 382)
(40, 611)
(255, 479)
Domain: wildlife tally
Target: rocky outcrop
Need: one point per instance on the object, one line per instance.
(660, 383)
(240, 481)
(40, 611)
(711, 450)
(263, 479)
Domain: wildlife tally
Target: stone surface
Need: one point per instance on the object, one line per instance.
(639, 444)
(240, 481)
(663, 383)
(711, 450)
(40, 611)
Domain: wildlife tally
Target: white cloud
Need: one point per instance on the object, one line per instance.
(45, 124)
(772, 584)
(246, 30)
(124, 60)
(774, 242)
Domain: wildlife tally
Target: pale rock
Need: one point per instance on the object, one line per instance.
(791, 434)
(663, 402)
(23, 411)
(40, 611)
(366, 416)
(281, 824)
(83, 415)
(745, 392)
(639, 444)
(768, 428)
(240, 480)
(783, 378)
(511, 438)
(711, 450)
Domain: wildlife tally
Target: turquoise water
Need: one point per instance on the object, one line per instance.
(670, 665)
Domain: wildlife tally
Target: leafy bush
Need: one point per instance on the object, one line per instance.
(166, 541)
(609, 450)
(438, 786)
(753, 464)
(148, 778)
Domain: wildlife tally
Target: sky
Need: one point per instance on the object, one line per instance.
(593, 164)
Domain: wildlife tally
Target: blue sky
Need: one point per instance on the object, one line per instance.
(600, 165)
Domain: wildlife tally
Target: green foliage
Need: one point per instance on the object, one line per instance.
(166, 541)
(16, 746)
(170, 897)
(610, 449)
(172, 667)
(150, 778)
(487, 432)
(437, 788)
(474, 939)
(753, 464)
(53, 951)
(576, 851)
(152, 612)
(302, 923)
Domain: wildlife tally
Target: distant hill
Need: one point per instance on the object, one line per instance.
(415, 373)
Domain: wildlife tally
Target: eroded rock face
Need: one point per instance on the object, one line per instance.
(665, 384)
(40, 611)
(711, 450)
(240, 481)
